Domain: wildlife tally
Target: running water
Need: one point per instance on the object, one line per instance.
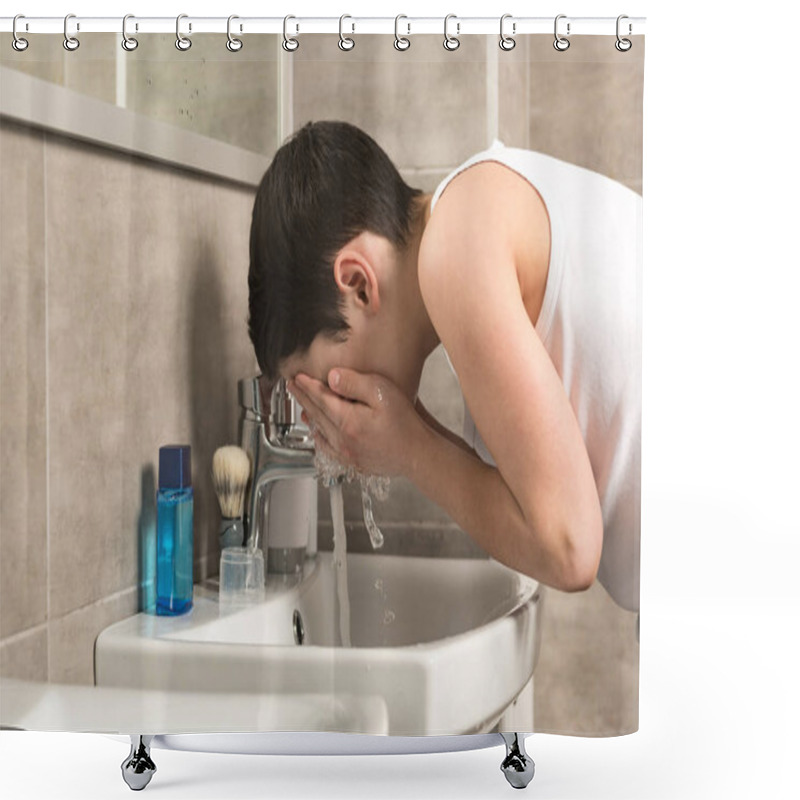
(340, 563)
(332, 475)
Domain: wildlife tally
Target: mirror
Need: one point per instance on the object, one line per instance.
(229, 97)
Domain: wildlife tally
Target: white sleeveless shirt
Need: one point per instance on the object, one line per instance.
(590, 324)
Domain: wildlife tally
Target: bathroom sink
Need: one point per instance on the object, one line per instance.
(438, 645)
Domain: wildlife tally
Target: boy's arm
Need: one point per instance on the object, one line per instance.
(478, 499)
(538, 511)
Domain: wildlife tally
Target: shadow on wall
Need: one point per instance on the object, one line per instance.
(212, 422)
(147, 541)
(212, 402)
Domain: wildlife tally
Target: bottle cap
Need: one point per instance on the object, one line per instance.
(175, 466)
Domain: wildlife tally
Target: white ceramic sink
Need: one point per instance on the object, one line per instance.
(439, 646)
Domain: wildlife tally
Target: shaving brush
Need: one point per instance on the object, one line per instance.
(230, 469)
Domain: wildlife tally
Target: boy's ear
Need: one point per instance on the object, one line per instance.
(357, 280)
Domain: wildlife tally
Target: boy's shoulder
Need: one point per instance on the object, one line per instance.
(462, 206)
(487, 216)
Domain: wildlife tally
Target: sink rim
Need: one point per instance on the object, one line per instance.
(528, 590)
(177, 629)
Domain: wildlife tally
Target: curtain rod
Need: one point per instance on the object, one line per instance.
(407, 26)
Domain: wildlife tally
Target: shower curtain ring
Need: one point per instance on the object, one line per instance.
(182, 42)
(507, 42)
(233, 44)
(560, 43)
(128, 43)
(400, 42)
(18, 43)
(345, 43)
(451, 42)
(290, 44)
(70, 42)
(623, 45)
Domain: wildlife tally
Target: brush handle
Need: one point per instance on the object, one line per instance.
(231, 532)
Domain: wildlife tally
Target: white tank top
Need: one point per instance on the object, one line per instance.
(590, 324)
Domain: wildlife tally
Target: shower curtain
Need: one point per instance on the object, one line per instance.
(162, 210)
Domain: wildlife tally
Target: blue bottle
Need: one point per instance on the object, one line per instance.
(174, 536)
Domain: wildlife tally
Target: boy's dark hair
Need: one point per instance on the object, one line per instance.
(326, 184)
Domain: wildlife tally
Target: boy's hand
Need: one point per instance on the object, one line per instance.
(363, 420)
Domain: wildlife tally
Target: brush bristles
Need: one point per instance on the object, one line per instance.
(230, 469)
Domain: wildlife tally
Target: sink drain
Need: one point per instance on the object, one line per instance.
(297, 624)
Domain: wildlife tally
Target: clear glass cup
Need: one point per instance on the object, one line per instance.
(241, 575)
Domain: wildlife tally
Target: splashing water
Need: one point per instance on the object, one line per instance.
(375, 535)
(331, 472)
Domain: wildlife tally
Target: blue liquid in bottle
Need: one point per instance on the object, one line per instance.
(175, 533)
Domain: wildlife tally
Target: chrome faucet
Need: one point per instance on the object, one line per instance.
(279, 447)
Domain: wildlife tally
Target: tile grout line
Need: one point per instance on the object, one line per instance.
(46, 399)
(46, 625)
(121, 78)
(285, 93)
(101, 600)
(20, 635)
(492, 92)
(527, 94)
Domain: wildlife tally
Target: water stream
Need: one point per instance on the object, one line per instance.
(333, 476)
(340, 563)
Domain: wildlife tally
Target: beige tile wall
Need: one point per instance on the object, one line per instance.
(24, 656)
(425, 106)
(23, 548)
(124, 297)
(123, 328)
(586, 105)
(587, 678)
